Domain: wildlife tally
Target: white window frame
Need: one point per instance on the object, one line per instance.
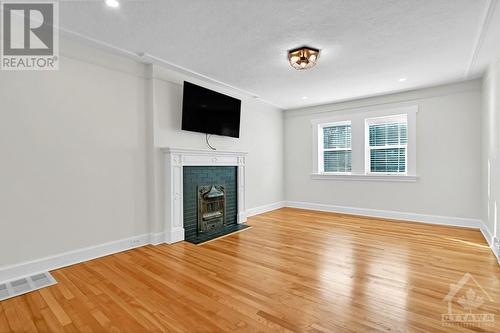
(368, 148)
(321, 149)
(357, 118)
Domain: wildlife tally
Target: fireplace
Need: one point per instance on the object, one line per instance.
(186, 170)
(211, 208)
(210, 202)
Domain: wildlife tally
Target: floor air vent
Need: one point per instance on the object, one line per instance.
(25, 285)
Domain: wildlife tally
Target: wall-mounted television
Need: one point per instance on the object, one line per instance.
(210, 112)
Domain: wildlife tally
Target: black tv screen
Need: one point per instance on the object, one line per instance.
(210, 112)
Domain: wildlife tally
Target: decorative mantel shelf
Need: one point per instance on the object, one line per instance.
(174, 161)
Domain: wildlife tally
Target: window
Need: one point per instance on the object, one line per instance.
(387, 144)
(336, 143)
(364, 144)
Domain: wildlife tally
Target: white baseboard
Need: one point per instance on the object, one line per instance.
(411, 217)
(486, 234)
(174, 236)
(156, 238)
(242, 217)
(389, 214)
(495, 247)
(492, 241)
(69, 258)
(265, 208)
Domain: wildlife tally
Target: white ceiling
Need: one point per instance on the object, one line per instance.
(367, 45)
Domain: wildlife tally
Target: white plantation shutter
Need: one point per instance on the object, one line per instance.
(387, 144)
(336, 152)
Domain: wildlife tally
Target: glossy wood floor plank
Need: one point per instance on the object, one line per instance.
(294, 271)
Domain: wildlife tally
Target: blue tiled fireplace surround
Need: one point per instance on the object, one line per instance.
(194, 176)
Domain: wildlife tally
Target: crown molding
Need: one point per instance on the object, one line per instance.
(482, 32)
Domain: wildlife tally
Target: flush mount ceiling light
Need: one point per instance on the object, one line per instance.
(113, 3)
(303, 57)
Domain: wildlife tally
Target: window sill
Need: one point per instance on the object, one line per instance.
(363, 177)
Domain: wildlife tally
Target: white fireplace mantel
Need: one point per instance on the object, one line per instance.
(174, 161)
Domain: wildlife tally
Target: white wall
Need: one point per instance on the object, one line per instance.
(78, 148)
(448, 154)
(73, 165)
(261, 135)
(491, 150)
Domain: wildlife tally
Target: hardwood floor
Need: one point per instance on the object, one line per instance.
(294, 271)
